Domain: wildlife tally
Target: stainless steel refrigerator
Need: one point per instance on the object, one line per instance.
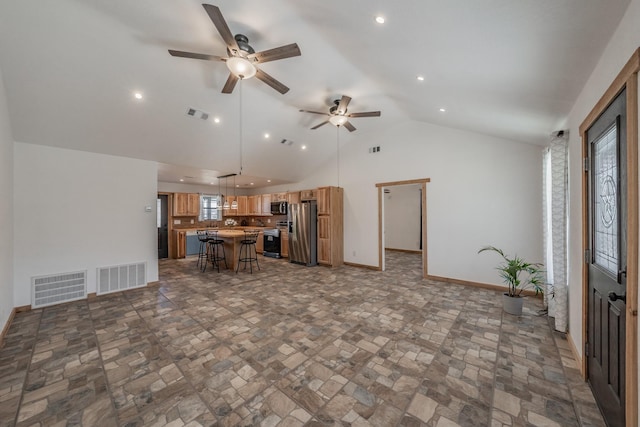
(303, 222)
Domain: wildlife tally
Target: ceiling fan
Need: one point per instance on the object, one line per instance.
(338, 114)
(241, 57)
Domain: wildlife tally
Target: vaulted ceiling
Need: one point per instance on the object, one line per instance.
(506, 68)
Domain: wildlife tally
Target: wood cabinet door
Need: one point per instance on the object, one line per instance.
(324, 239)
(293, 197)
(266, 204)
(179, 204)
(242, 205)
(284, 245)
(323, 196)
(193, 204)
(252, 205)
(260, 242)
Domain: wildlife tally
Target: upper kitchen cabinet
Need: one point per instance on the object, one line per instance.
(293, 197)
(279, 197)
(330, 226)
(308, 194)
(186, 204)
(254, 205)
(266, 204)
(242, 208)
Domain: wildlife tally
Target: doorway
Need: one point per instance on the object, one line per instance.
(610, 234)
(422, 183)
(402, 205)
(163, 225)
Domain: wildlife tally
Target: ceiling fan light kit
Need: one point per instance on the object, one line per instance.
(338, 114)
(242, 58)
(338, 120)
(241, 67)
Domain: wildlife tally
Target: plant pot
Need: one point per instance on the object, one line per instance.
(512, 305)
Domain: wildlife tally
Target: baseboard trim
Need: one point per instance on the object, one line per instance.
(5, 330)
(407, 251)
(368, 267)
(156, 283)
(23, 308)
(576, 355)
(478, 285)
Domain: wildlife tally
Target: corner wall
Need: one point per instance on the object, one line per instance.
(6, 210)
(79, 211)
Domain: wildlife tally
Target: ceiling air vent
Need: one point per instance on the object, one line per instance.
(198, 114)
(286, 142)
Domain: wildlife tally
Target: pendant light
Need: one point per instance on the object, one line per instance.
(226, 200)
(234, 204)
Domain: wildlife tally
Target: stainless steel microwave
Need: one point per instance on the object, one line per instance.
(278, 208)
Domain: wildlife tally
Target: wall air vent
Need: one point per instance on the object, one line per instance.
(198, 114)
(58, 288)
(375, 149)
(121, 277)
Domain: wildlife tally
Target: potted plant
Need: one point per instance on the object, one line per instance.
(519, 275)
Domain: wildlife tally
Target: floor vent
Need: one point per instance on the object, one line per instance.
(58, 288)
(121, 277)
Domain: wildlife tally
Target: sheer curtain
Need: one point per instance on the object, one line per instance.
(555, 184)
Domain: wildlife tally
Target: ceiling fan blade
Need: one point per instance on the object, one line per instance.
(204, 56)
(230, 84)
(221, 25)
(314, 112)
(342, 107)
(365, 114)
(274, 54)
(261, 75)
(321, 124)
(349, 126)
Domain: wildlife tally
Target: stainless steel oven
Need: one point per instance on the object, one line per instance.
(271, 243)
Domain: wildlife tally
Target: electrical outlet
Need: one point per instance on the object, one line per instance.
(191, 221)
(269, 220)
(176, 221)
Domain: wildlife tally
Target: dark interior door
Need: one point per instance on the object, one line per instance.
(608, 260)
(163, 227)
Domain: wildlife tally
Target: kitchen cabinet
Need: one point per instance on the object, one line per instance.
(308, 194)
(266, 204)
(293, 197)
(260, 243)
(254, 205)
(330, 226)
(242, 206)
(186, 204)
(179, 243)
(284, 243)
(279, 197)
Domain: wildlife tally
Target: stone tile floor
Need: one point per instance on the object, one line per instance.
(291, 346)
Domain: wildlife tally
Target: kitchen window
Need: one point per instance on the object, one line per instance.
(210, 207)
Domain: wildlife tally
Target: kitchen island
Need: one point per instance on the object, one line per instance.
(231, 238)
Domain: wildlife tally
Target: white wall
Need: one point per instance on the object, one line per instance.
(402, 217)
(483, 190)
(624, 42)
(75, 211)
(6, 210)
(174, 187)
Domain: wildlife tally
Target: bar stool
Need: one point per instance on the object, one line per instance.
(203, 250)
(248, 252)
(215, 249)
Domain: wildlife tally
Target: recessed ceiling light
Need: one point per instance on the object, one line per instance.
(266, 136)
(251, 183)
(442, 110)
(380, 19)
(237, 185)
(420, 78)
(216, 120)
(304, 147)
(137, 95)
(211, 183)
(268, 180)
(181, 180)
